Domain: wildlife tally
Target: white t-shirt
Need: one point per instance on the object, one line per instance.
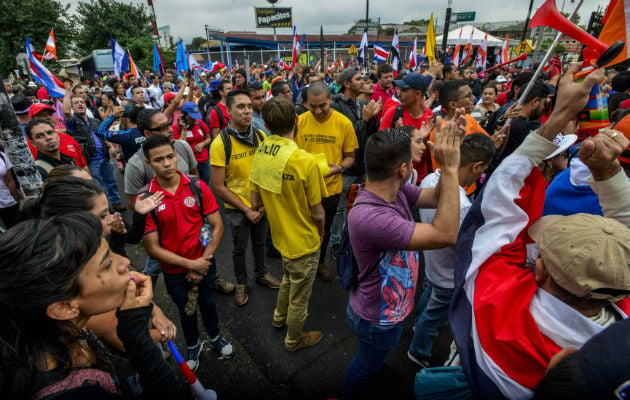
(440, 263)
(6, 200)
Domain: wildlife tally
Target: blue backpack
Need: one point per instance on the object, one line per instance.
(347, 266)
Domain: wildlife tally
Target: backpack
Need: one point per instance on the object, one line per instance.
(195, 188)
(227, 143)
(347, 266)
(219, 115)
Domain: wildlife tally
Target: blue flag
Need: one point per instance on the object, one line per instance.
(182, 59)
(158, 64)
(120, 56)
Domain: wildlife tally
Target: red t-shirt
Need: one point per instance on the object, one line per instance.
(67, 146)
(180, 221)
(387, 122)
(196, 134)
(502, 99)
(214, 117)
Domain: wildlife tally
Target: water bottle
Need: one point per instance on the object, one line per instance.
(205, 236)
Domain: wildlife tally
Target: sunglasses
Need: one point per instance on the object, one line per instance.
(160, 128)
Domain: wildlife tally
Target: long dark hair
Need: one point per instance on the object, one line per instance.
(68, 194)
(40, 265)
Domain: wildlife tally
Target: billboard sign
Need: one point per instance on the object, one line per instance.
(273, 17)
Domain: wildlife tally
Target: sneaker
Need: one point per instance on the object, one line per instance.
(308, 339)
(223, 346)
(423, 362)
(192, 360)
(324, 273)
(224, 286)
(269, 280)
(240, 295)
(279, 325)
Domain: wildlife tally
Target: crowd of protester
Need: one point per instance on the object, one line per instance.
(508, 222)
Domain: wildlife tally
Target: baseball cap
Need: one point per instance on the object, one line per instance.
(37, 108)
(563, 142)
(21, 104)
(127, 109)
(168, 97)
(501, 79)
(32, 84)
(586, 255)
(191, 109)
(42, 94)
(412, 80)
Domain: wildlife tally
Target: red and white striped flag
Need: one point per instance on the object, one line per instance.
(468, 48)
(482, 53)
(50, 52)
(295, 49)
(456, 61)
(504, 55)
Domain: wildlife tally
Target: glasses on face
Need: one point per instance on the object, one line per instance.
(162, 128)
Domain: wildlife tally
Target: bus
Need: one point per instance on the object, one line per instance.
(98, 62)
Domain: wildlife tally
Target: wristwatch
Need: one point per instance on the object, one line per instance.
(343, 169)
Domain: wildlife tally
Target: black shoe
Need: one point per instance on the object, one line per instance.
(423, 362)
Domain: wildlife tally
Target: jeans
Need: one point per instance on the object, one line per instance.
(153, 268)
(204, 171)
(294, 294)
(177, 287)
(330, 208)
(341, 215)
(242, 229)
(375, 343)
(103, 172)
(432, 316)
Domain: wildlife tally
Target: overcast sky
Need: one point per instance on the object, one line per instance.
(188, 17)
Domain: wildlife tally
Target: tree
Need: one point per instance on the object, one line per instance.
(129, 24)
(32, 18)
(560, 49)
(417, 22)
(196, 43)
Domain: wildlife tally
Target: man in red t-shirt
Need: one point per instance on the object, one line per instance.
(383, 89)
(411, 112)
(197, 134)
(67, 144)
(175, 241)
(218, 116)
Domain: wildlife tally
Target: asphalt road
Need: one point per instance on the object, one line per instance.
(262, 368)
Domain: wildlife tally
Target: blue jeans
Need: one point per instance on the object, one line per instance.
(341, 214)
(153, 268)
(177, 287)
(432, 316)
(103, 172)
(204, 171)
(375, 343)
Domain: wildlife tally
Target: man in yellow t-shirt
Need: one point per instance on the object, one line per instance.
(230, 179)
(324, 130)
(287, 181)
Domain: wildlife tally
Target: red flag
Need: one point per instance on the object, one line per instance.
(50, 52)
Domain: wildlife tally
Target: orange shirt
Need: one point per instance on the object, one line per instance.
(472, 126)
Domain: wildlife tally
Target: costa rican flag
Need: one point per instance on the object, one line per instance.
(507, 328)
(413, 60)
(380, 54)
(295, 47)
(42, 75)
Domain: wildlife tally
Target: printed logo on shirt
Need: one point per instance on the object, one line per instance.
(71, 148)
(162, 207)
(189, 201)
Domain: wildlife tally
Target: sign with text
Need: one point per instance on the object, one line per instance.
(463, 16)
(273, 17)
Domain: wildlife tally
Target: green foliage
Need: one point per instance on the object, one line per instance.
(129, 24)
(560, 49)
(417, 22)
(32, 18)
(196, 43)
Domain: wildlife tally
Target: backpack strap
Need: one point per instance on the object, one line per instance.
(195, 188)
(45, 165)
(227, 146)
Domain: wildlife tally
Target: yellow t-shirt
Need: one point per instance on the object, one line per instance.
(237, 171)
(293, 231)
(332, 138)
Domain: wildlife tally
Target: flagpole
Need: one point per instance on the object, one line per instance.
(321, 47)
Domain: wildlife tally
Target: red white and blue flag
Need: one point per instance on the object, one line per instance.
(295, 48)
(413, 55)
(507, 328)
(42, 75)
(380, 54)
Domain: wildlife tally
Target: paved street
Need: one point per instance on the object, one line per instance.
(262, 368)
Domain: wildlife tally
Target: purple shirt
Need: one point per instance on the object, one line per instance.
(380, 233)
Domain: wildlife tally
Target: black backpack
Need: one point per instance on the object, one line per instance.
(227, 143)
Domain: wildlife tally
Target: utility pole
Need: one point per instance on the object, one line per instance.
(367, 14)
(207, 43)
(447, 23)
(529, 14)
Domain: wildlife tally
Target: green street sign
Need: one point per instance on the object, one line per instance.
(463, 16)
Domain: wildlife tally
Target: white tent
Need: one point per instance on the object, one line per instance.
(478, 36)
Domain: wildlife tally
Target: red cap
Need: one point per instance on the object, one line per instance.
(168, 97)
(42, 94)
(36, 108)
